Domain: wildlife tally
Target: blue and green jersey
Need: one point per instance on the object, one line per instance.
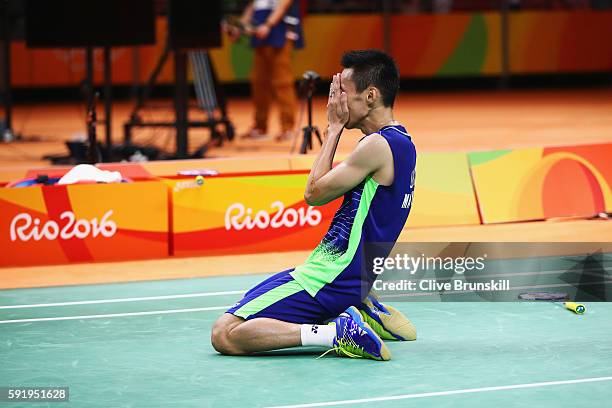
(335, 273)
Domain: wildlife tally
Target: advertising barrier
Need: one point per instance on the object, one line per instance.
(424, 45)
(83, 223)
(246, 214)
(539, 183)
(443, 193)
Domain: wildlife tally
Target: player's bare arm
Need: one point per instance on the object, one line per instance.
(371, 156)
(273, 19)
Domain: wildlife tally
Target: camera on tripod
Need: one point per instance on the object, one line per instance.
(310, 78)
(308, 86)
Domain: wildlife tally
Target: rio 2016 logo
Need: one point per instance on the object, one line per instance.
(25, 228)
(238, 217)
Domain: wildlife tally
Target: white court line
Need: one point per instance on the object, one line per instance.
(189, 295)
(238, 292)
(153, 312)
(456, 292)
(510, 274)
(442, 393)
(134, 299)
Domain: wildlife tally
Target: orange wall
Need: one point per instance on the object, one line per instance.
(426, 45)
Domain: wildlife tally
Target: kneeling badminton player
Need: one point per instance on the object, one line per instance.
(323, 302)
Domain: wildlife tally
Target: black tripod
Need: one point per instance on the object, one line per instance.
(310, 79)
(93, 149)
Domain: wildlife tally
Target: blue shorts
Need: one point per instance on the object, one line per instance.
(280, 297)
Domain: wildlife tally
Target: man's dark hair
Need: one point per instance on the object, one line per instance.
(373, 68)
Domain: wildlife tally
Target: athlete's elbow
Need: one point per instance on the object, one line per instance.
(312, 198)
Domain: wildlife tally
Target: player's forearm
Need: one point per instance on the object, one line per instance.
(322, 165)
(247, 14)
(277, 14)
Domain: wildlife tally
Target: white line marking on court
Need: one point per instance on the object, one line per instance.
(153, 312)
(239, 292)
(539, 273)
(442, 393)
(455, 292)
(134, 299)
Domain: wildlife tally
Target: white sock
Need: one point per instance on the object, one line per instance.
(318, 335)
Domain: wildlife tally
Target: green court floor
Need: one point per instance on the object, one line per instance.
(156, 353)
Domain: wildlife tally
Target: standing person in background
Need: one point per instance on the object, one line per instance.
(276, 31)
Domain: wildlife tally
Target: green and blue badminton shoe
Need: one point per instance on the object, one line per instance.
(356, 339)
(388, 322)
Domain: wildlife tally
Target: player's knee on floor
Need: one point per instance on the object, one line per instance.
(222, 343)
(217, 338)
(220, 337)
